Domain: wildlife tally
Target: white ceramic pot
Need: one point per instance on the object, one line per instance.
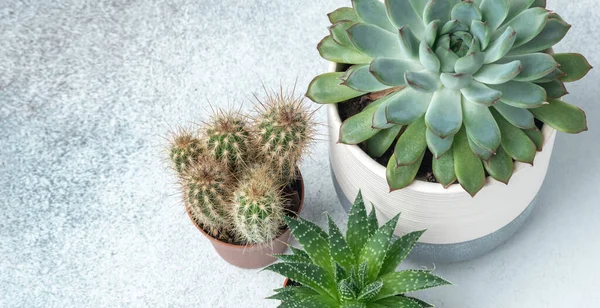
(459, 227)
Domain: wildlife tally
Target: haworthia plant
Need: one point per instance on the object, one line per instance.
(452, 65)
(356, 270)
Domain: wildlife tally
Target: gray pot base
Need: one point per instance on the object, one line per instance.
(451, 253)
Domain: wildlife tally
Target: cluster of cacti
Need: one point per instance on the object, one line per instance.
(466, 80)
(283, 128)
(356, 270)
(234, 173)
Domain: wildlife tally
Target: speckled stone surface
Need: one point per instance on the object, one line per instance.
(89, 215)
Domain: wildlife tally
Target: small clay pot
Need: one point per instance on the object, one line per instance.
(285, 283)
(254, 256)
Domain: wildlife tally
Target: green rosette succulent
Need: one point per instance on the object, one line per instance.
(464, 79)
(353, 271)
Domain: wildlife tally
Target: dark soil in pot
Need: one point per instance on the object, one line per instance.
(354, 106)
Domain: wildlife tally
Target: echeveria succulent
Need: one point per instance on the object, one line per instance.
(466, 79)
(353, 271)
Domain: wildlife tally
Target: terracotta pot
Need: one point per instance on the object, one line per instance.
(285, 283)
(254, 256)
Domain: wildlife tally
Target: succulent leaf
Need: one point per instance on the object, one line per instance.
(307, 274)
(481, 126)
(361, 79)
(409, 43)
(554, 31)
(498, 73)
(500, 166)
(341, 14)
(411, 145)
(398, 302)
(456, 81)
(424, 81)
(554, 89)
(481, 32)
(399, 177)
(527, 25)
(516, 7)
(314, 241)
(467, 165)
(562, 116)
(373, 12)
(443, 168)
(574, 65)
(514, 141)
(479, 93)
(494, 12)
(391, 71)
(534, 65)
(374, 41)
(339, 33)
(521, 94)
(403, 13)
(428, 58)
(536, 136)
(327, 89)
(466, 12)
(358, 128)
(444, 116)
(438, 145)
(382, 141)
(407, 105)
(518, 117)
(438, 10)
(329, 49)
(293, 293)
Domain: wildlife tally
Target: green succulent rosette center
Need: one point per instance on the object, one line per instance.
(464, 79)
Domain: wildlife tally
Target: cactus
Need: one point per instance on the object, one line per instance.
(227, 139)
(283, 129)
(208, 186)
(184, 150)
(356, 270)
(466, 79)
(258, 207)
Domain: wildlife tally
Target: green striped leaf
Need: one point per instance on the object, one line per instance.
(314, 241)
(293, 293)
(292, 258)
(373, 222)
(370, 291)
(340, 252)
(408, 281)
(374, 251)
(308, 275)
(300, 253)
(356, 235)
(398, 251)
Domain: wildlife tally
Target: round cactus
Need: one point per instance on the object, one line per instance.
(184, 150)
(227, 139)
(208, 186)
(284, 128)
(258, 208)
(466, 79)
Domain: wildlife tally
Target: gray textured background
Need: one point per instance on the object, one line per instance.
(89, 216)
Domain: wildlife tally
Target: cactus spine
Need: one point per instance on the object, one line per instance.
(227, 139)
(258, 207)
(208, 187)
(284, 128)
(185, 150)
